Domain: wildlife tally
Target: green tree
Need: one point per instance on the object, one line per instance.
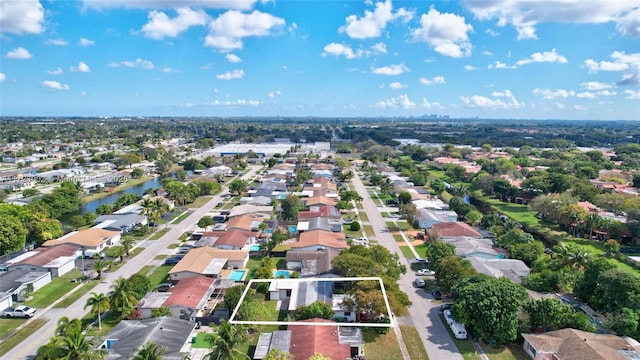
(137, 173)
(437, 251)
(238, 186)
(122, 297)
(451, 270)
(316, 309)
(612, 247)
(12, 234)
(127, 243)
(550, 313)
(99, 265)
(70, 343)
(205, 221)
(149, 351)
(489, 306)
(290, 207)
(161, 311)
(404, 197)
(99, 303)
(275, 354)
(527, 252)
(77, 221)
(355, 226)
(225, 342)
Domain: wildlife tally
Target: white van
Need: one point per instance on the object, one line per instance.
(90, 253)
(458, 330)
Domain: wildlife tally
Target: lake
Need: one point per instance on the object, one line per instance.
(137, 190)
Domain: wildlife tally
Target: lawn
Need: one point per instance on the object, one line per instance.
(398, 238)
(201, 342)
(406, 251)
(184, 236)
(159, 275)
(158, 234)
(160, 257)
(413, 342)
(403, 225)
(268, 312)
(136, 251)
(421, 250)
(392, 226)
(182, 216)
(509, 352)
(145, 270)
(77, 294)
(368, 229)
(13, 340)
(465, 347)
(363, 216)
(109, 322)
(517, 212)
(6, 325)
(199, 202)
(51, 292)
(282, 247)
(381, 346)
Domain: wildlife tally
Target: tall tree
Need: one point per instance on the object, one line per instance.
(99, 302)
(122, 297)
(290, 207)
(225, 342)
(12, 234)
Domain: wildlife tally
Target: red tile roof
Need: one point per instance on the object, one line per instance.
(454, 229)
(235, 237)
(191, 292)
(323, 238)
(46, 255)
(307, 340)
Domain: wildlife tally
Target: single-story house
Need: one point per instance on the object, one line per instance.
(319, 240)
(18, 283)
(234, 239)
(171, 333)
(318, 200)
(259, 211)
(56, 260)
(311, 263)
(278, 339)
(123, 223)
(189, 296)
(334, 342)
(457, 228)
(513, 269)
(151, 300)
(425, 218)
(572, 344)
(244, 222)
(342, 312)
(255, 200)
(208, 261)
(468, 247)
(89, 239)
(319, 223)
(328, 211)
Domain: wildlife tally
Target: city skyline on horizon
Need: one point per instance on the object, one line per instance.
(352, 59)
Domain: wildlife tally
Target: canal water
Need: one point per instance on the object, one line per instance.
(136, 190)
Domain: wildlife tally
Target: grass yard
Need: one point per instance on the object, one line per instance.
(282, 247)
(421, 250)
(413, 342)
(182, 216)
(6, 325)
(199, 202)
(360, 206)
(77, 294)
(173, 246)
(108, 323)
(517, 212)
(368, 229)
(363, 216)
(136, 251)
(403, 225)
(54, 290)
(159, 275)
(381, 346)
(184, 236)
(13, 340)
(158, 234)
(398, 238)
(145, 270)
(406, 251)
(201, 342)
(160, 257)
(509, 352)
(392, 226)
(268, 312)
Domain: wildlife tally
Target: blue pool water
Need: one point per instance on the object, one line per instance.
(254, 248)
(282, 273)
(292, 229)
(237, 275)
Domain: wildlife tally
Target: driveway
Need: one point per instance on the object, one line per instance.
(423, 314)
(29, 346)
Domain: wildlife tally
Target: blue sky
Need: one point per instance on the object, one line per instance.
(523, 59)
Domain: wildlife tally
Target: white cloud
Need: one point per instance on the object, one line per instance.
(500, 65)
(82, 67)
(55, 85)
(57, 42)
(487, 53)
(21, 17)
(446, 33)
(160, 25)
(550, 94)
(57, 71)
(595, 85)
(560, 105)
(380, 48)
(83, 93)
(586, 95)
(238, 102)
(629, 63)
(19, 53)
(373, 22)
(141, 63)
(273, 94)
(396, 85)
(469, 68)
(607, 93)
(231, 75)
(233, 58)
(169, 70)
(501, 100)
(435, 80)
(342, 50)
(524, 15)
(227, 30)
(543, 57)
(579, 108)
(401, 101)
(431, 105)
(632, 94)
(3, 77)
(164, 4)
(86, 42)
(492, 32)
(391, 69)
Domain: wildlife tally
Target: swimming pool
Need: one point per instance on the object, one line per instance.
(254, 248)
(282, 273)
(292, 229)
(237, 275)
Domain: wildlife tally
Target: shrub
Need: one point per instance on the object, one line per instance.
(355, 226)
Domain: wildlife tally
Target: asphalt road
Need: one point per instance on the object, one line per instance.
(29, 346)
(424, 312)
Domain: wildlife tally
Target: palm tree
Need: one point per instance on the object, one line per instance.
(98, 303)
(119, 252)
(592, 222)
(148, 209)
(225, 342)
(122, 297)
(75, 346)
(99, 265)
(127, 243)
(149, 351)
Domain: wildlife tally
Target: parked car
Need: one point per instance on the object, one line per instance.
(172, 260)
(419, 282)
(436, 294)
(19, 312)
(447, 316)
(164, 287)
(426, 272)
(445, 306)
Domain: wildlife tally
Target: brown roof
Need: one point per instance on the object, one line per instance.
(572, 344)
(307, 340)
(319, 200)
(320, 211)
(313, 262)
(191, 292)
(89, 237)
(321, 237)
(197, 259)
(242, 222)
(43, 256)
(235, 237)
(454, 229)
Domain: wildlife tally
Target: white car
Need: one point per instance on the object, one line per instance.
(426, 272)
(447, 316)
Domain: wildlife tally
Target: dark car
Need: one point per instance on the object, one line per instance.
(436, 294)
(164, 287)
(172, 260)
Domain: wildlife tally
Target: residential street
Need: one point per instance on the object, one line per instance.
(423, 312)
(29, 346)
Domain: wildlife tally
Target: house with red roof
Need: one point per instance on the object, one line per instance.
(457, 228)
(320, 239)
(189, 296)
(234, 239)
(56, 260)
(334, 342)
